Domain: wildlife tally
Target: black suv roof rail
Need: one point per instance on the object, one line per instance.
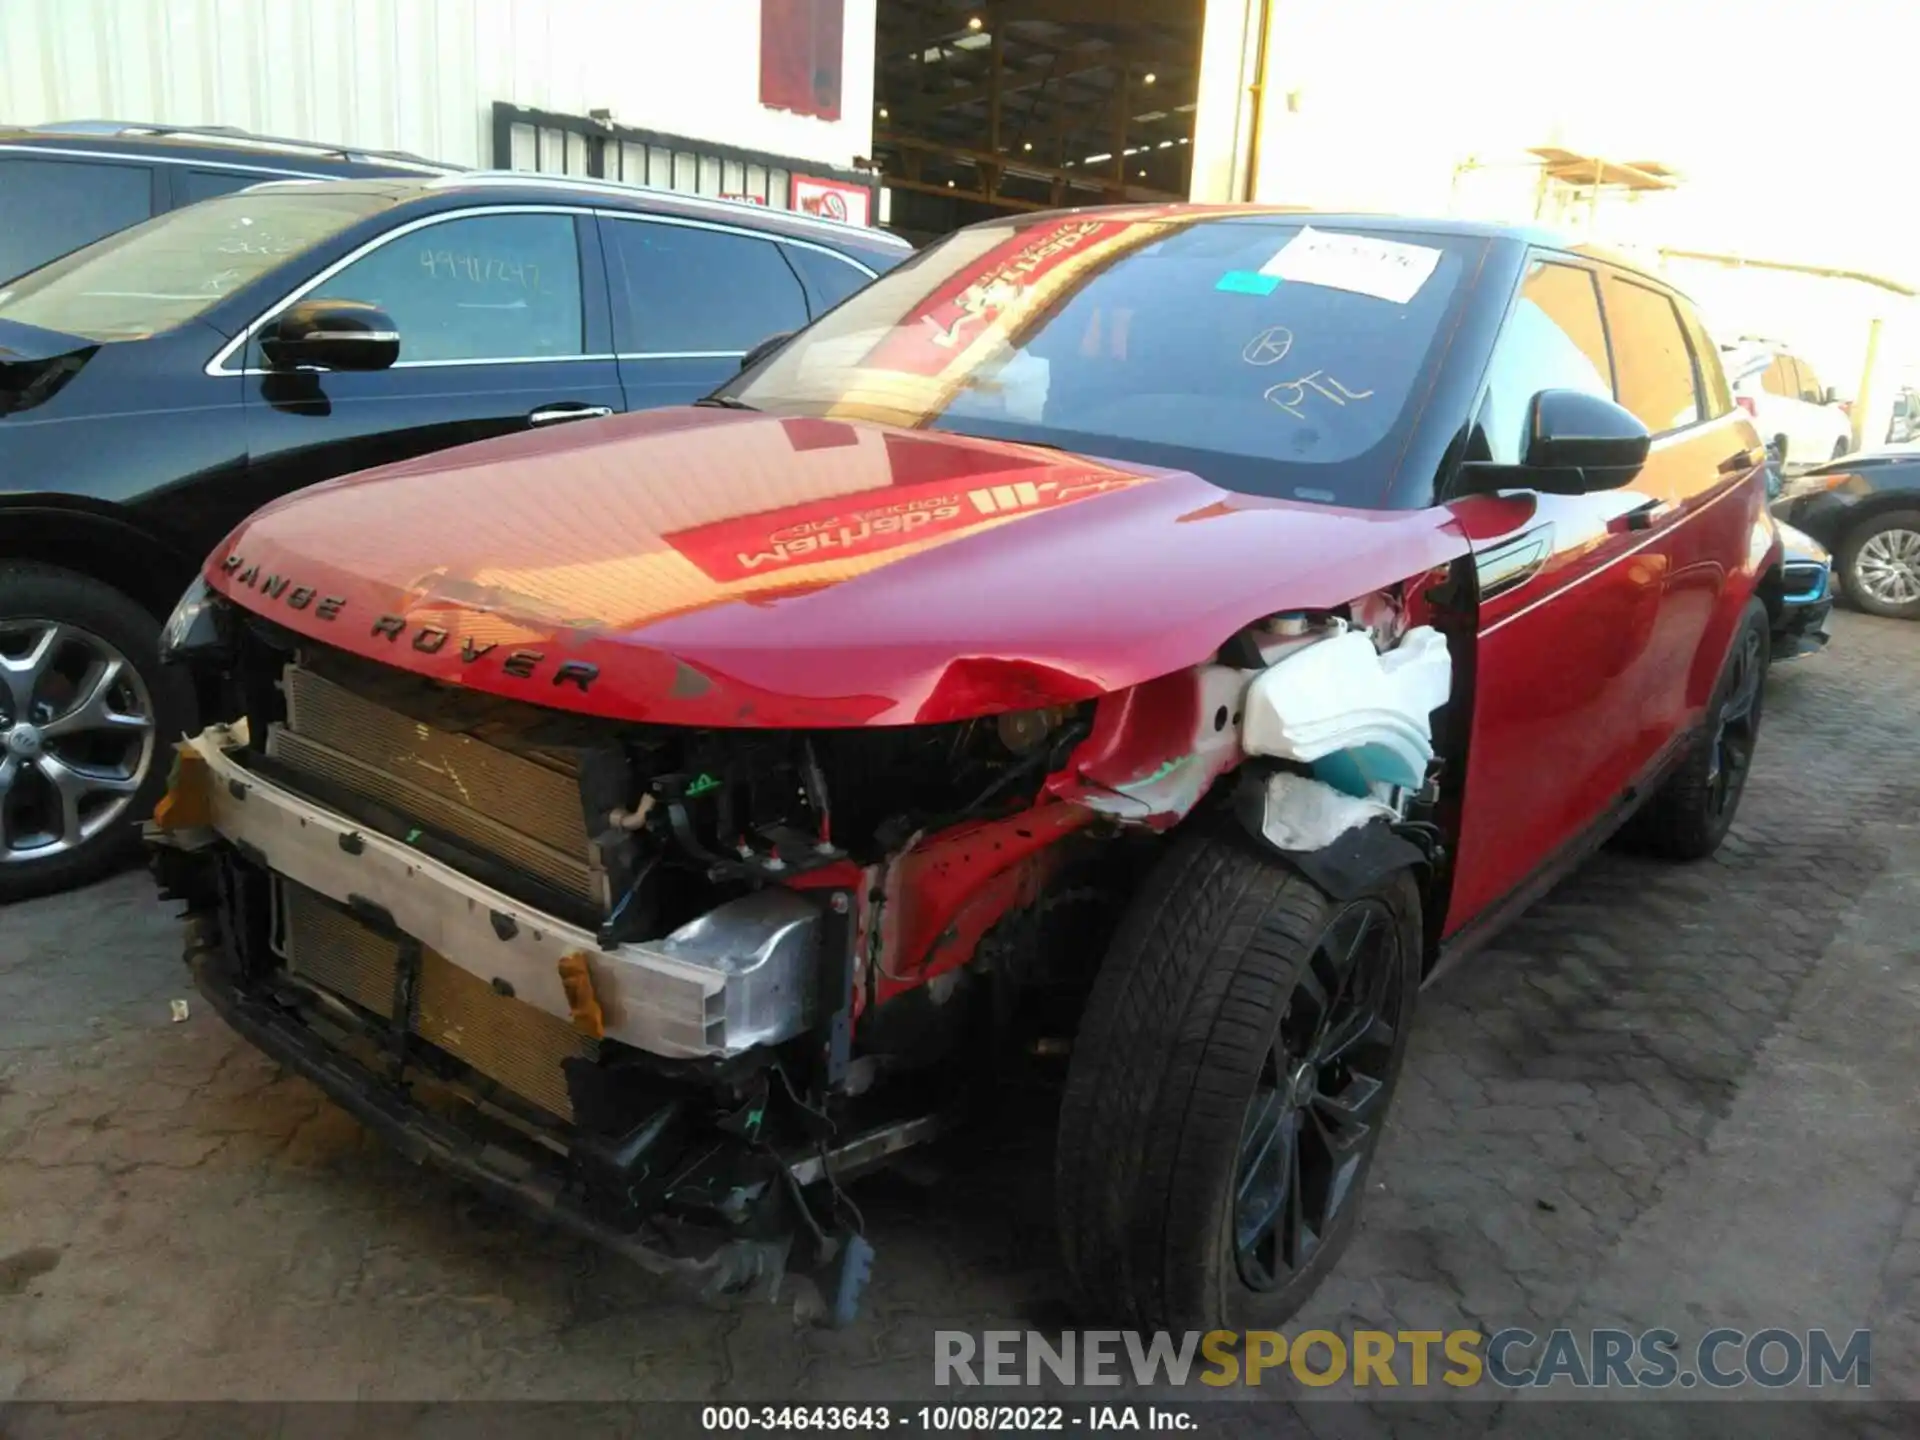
(234, 135)
(679, 197)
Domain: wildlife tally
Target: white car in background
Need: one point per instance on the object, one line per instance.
(1804, 422)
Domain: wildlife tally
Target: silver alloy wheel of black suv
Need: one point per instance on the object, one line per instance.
(76, 738)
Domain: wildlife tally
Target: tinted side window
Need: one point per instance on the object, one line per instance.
(1553, 341)
(192, 186)
(697, 290)
(1715, 393)
(829, 281)
(1654, 363)
(1779, 377)
(486, 287)
(50, 207)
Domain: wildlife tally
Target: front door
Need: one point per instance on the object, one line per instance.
(1570, 691)
(502, 329)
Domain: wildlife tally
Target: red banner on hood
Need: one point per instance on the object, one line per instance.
(848, 527)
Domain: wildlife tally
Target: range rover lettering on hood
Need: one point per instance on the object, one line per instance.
(516, 664)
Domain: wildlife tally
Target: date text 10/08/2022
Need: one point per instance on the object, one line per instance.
(945, 1419)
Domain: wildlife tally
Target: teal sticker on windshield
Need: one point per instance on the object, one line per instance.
(1247, 282)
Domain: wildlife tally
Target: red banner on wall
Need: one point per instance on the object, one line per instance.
(801, 45)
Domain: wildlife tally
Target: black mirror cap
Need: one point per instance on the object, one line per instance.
(765, 348)
(1575, 430)
(334, 335)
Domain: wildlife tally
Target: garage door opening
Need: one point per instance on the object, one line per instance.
(982, 110)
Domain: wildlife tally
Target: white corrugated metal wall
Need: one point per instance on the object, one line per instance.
(420, 75)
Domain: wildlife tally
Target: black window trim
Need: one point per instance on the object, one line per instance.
(217, 366)
(1672, 297)
(642, 218)
(1532, 255)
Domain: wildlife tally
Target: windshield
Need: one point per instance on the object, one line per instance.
(176, 266)
(1263, 353)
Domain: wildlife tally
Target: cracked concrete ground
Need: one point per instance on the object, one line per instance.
(1680, 1096)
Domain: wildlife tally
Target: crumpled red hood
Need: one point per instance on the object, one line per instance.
(710, 567)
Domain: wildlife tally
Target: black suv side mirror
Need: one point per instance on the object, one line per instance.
(333, 334)
(1577, 443)
(765, 348)
(1830, 396)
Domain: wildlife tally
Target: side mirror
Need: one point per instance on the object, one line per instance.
(1577, 443)
(332, 334)
(765, 348)
(1830, 396)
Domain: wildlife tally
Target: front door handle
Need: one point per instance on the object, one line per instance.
(554, 414)
(1741, 460)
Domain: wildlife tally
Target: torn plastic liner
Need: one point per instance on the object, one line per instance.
(1361, 719)
(1301, 813)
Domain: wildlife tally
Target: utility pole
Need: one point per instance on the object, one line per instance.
(1863, 399)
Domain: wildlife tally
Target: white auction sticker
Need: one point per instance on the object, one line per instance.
(1385, 269)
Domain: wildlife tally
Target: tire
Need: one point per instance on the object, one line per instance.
(1690, 814)
(1880, 565)
(1177, 1065)
(63, 717)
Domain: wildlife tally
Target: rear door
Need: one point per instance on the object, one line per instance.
(1704, 476)
(503, 327)
(689, 300)
(50, 206)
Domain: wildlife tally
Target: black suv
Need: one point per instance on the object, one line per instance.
(160, 384)
(66, 185)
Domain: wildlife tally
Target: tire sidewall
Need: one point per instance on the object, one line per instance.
(46, 592)
(1231, 1301)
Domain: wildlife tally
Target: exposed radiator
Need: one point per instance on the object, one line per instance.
(505, 1039)
(505, 805)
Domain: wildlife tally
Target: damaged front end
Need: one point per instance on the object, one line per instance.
(644, 980)
(673, 986)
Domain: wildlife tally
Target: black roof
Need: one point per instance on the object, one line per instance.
(527, 187)
(1381, 221)
(215, 145)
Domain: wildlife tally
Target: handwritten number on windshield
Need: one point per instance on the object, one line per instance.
(1289, 394)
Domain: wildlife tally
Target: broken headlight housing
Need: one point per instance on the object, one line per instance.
(201, 626)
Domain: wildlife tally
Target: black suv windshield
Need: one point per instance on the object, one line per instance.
(1265, 353)
(174, 267)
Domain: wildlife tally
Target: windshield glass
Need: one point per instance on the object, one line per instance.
(174, 267)
(1263, 353)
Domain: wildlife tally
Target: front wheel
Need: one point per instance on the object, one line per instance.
(86, 713)
(1229, 1086)
(1880, 565)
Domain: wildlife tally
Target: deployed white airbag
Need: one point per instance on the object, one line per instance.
(1361, 718)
